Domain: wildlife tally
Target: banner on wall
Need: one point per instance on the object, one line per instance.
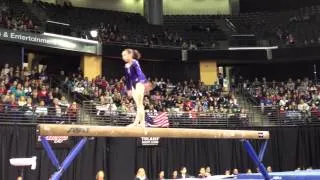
(52, 41)
(55, 141)
(148, 141)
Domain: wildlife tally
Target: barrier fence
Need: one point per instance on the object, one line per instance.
(275, 116)
(38, 114)
(92, 112)
(103, 114)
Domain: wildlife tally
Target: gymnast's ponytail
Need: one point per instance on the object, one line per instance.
(136, 54)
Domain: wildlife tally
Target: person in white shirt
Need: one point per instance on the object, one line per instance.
(151, 111)
(302, 106)
(41, 110)
(283, 101)
(6, 69)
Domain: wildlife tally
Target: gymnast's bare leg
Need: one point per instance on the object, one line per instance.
(138, 94)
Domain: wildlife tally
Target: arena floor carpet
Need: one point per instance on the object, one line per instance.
(287, 175)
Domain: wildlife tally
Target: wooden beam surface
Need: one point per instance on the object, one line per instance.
(120, 131)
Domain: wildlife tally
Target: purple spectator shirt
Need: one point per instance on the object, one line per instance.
(134, 75)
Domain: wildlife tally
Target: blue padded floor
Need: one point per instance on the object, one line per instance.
(287, 175)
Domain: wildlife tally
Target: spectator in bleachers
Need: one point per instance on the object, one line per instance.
(41, 110)
(295, 101)
(188, 99)
(73, 112)
(21, 94)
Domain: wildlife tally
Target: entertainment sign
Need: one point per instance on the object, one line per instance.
(52, 41)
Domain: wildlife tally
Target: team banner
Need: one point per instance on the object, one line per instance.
(148, 141)
(51, 41)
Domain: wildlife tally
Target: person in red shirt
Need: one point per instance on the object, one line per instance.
(73, 112)
(315, 113)
(104, 83)
(3, 90)
(43, 93)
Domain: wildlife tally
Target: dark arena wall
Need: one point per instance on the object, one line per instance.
(280, 71)
(289, 148)
(11, 54)
(174, 70)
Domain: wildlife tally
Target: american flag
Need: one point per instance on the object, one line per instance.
(161, 120)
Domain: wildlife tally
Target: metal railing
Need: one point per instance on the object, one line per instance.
(106, 114)
(38, 114)
(275, 116)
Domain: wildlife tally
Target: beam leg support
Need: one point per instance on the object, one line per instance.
(263, 150)
(71, 156)
(68, 160)
(252, 153)
(47, 147)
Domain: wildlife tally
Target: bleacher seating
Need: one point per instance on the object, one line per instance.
(290, 102)
(286, 28)
(188, 103)
(16, 15)
(26, 96)
(195, 28)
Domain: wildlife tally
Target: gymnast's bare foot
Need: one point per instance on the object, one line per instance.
(142, 125)
(132, 125)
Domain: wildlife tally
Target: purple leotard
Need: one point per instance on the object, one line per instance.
(134, 75)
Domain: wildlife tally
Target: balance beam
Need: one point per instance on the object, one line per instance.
(112, 131)
(86, 131)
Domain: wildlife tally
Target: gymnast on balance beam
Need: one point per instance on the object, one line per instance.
(136, 84)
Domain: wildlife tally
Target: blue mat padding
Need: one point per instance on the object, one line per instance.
(287, 175)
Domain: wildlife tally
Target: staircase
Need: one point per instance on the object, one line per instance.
(224, 27)
(256, 117)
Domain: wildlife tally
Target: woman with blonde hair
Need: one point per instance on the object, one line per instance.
(141, 174)
(100, 175)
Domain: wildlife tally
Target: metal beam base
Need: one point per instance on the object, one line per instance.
(67, 161)
(257, 159)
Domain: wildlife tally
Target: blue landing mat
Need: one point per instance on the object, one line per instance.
(287, 175)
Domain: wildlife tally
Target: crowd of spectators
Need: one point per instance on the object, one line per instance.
(108, 33)
(26, 95)
(287, 28)
(290, 101)
(19, 22)
(187, 100)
